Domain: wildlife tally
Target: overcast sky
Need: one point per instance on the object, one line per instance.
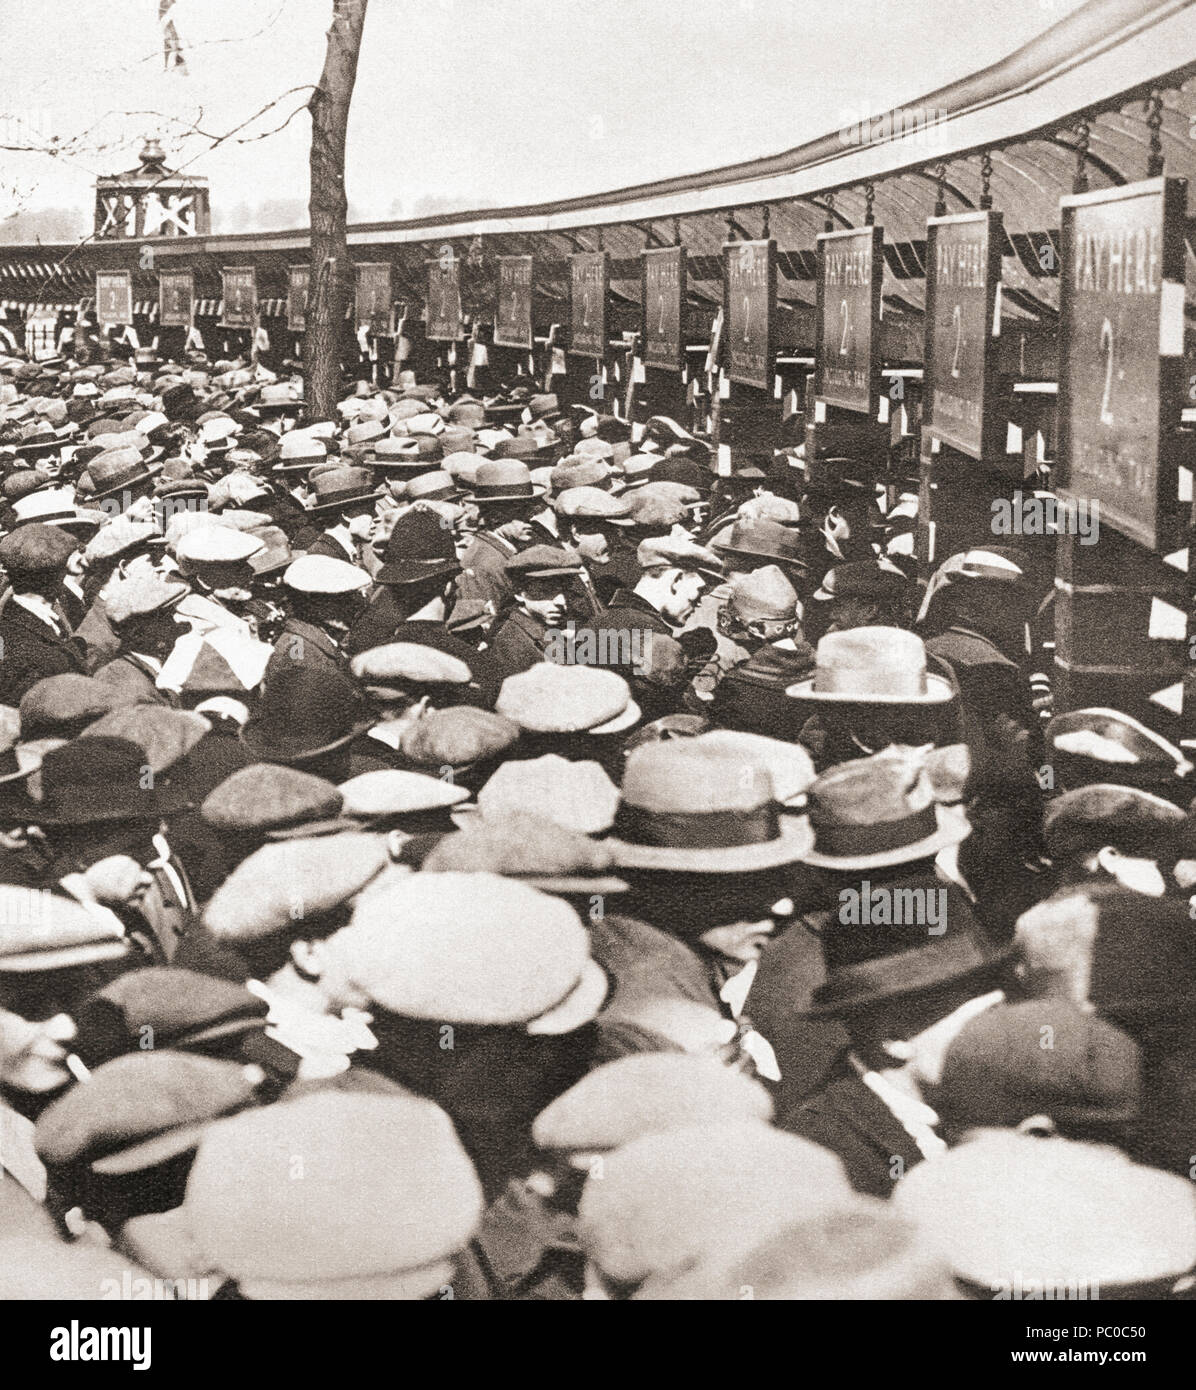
(461, 103)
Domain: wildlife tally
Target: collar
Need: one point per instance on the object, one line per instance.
(341, 534)
(914, 1116)
(42, 609)
(316, 635)
(324, 1042)
(499, 543)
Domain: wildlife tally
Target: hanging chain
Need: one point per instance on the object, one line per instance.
(764, 232)
(676, 230)
(1154, 123)
(986, 180)
(869, 203)
(732, 229)
(829, 225)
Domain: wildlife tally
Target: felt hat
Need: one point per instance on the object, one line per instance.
(877, 811)
(872, 666)
(305, 713)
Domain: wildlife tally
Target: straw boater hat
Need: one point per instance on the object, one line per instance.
(872, 666)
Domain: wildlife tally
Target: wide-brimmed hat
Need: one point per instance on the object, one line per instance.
(760, 538)
(878, 811)
(100, 779)
(116, 470)
(872, 666)
(398, 453)
(871, 964)
(298, 451)
(342, 487)
(280, 398)
(696, 809)
(504, 480)
(304, 714)
(419, 549)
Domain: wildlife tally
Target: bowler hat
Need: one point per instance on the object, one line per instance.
(419, 549)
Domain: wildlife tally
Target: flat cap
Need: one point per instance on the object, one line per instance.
(999, 1071)
(119, 536)
(36, 549)
(548, 698)
(763, 595)
(457, 737)
(667, 1199)
(577, 796)
(165, 735)
(528, 847)
(61, 706)
(396, 792)
(140, 595)
(174, 1008)
(543, 562)
(1009, 1209)
(40, 1268)
(593, 502)
(409, 663)
(322, 574)
(462, 948)
(162, 1097)
(266, 796)
(678, 552)
(40, 930)
(217, 545)
(388, 1196)
(1088, 818)
(280, 886)
(646, 1093)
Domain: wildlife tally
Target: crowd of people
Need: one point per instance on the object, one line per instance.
(470, 848)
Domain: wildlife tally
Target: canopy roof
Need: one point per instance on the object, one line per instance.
(1013, 129)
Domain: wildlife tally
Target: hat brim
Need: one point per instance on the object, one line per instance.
(938, 692)
(410, 572)
(151, 471)
(536, 491)
(151, 1152)
(279, 408)
(578, 1007)
(952, 828)
(291, 752)
(160, 802)
(314, 509)
(792, 845)
(794, 560)
(89, 953)
(622, 721)
(855, 987)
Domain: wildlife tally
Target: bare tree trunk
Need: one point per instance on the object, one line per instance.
(331, 281)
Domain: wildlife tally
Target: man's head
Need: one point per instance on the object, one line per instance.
(676, 570)
(35, 558)
(542, 577)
